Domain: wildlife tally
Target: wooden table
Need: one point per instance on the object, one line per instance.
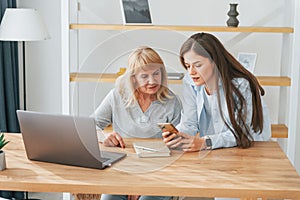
(262, 171)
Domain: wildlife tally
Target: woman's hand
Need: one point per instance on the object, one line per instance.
(191, 143)
(171, 139)
(187, 142)
(113, 139)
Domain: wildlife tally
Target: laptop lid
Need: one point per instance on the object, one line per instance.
(63, 139)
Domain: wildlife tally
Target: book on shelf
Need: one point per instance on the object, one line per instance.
(151, 149)
(175, 76)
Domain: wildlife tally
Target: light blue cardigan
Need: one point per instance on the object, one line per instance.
(201, 114)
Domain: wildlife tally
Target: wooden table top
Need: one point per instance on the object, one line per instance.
(260, 171)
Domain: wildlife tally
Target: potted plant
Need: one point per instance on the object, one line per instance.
(3, 142)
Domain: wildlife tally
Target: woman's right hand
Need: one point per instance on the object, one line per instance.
(172, 140)
(113, 139)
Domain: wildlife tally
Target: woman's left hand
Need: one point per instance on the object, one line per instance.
(191, 143)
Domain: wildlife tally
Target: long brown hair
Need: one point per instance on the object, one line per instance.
(209, 46)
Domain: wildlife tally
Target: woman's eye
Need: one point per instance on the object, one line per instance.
(156, 73)
(198, 66)
(144, 76)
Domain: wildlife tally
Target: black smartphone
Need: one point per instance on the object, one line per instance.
(167, 127)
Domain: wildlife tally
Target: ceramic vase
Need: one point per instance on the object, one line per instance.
(233, 13)
(2, 161)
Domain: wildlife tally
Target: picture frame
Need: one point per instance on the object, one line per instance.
(136, 12)
(248, 60)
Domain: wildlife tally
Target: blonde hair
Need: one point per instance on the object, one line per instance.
(142, 58)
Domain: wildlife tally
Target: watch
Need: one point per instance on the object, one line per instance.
(208, 143)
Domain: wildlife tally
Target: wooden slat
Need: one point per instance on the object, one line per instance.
(94, 77)
(274, 80)
(278, 130)
(247, 29)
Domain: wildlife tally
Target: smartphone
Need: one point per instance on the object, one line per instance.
(167, 127)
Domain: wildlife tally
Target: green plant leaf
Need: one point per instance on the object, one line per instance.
(3, 142)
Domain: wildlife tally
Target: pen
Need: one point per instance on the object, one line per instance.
(146, 148)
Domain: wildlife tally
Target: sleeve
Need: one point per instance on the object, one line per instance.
(223, 139)
(223, 136)
(266, 132)
(177, 111)
(226, 139)
(265, 135)
(103, 113)
(189, 118)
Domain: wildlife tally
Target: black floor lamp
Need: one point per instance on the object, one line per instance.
(23, 24)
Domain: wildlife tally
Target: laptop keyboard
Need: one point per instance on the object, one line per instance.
(103, 159)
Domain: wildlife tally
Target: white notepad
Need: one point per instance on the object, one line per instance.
(151, 149)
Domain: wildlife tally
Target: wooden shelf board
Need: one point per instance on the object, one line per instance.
(278, 130)
(93, 77)
(274, 80)
(247, 29)
(110, 78)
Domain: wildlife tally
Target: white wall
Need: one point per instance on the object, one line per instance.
(43, 60)
(294, 141)
(106, 51)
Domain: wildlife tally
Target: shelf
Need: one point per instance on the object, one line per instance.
(274, 80)
(110, 78)
(246, 29)
(278, 130)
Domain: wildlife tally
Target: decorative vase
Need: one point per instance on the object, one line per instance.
(232, 13)
(2, 161)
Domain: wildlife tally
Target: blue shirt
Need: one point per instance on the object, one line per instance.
(201, 114)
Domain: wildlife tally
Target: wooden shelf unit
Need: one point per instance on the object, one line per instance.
(278, 130)
(110, 78)
(242, 29)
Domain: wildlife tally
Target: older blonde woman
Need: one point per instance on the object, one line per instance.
(139, 101)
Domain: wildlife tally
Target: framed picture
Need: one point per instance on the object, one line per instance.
(136, 12)
(248, 60)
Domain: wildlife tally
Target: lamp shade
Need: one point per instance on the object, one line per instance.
(23, 24)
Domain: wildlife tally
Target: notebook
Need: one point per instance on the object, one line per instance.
(151, 149)
(64, 139)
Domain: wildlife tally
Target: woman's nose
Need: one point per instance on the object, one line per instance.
(191, 70)
(151, 79)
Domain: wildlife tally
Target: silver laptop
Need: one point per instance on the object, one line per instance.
(64, 139)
